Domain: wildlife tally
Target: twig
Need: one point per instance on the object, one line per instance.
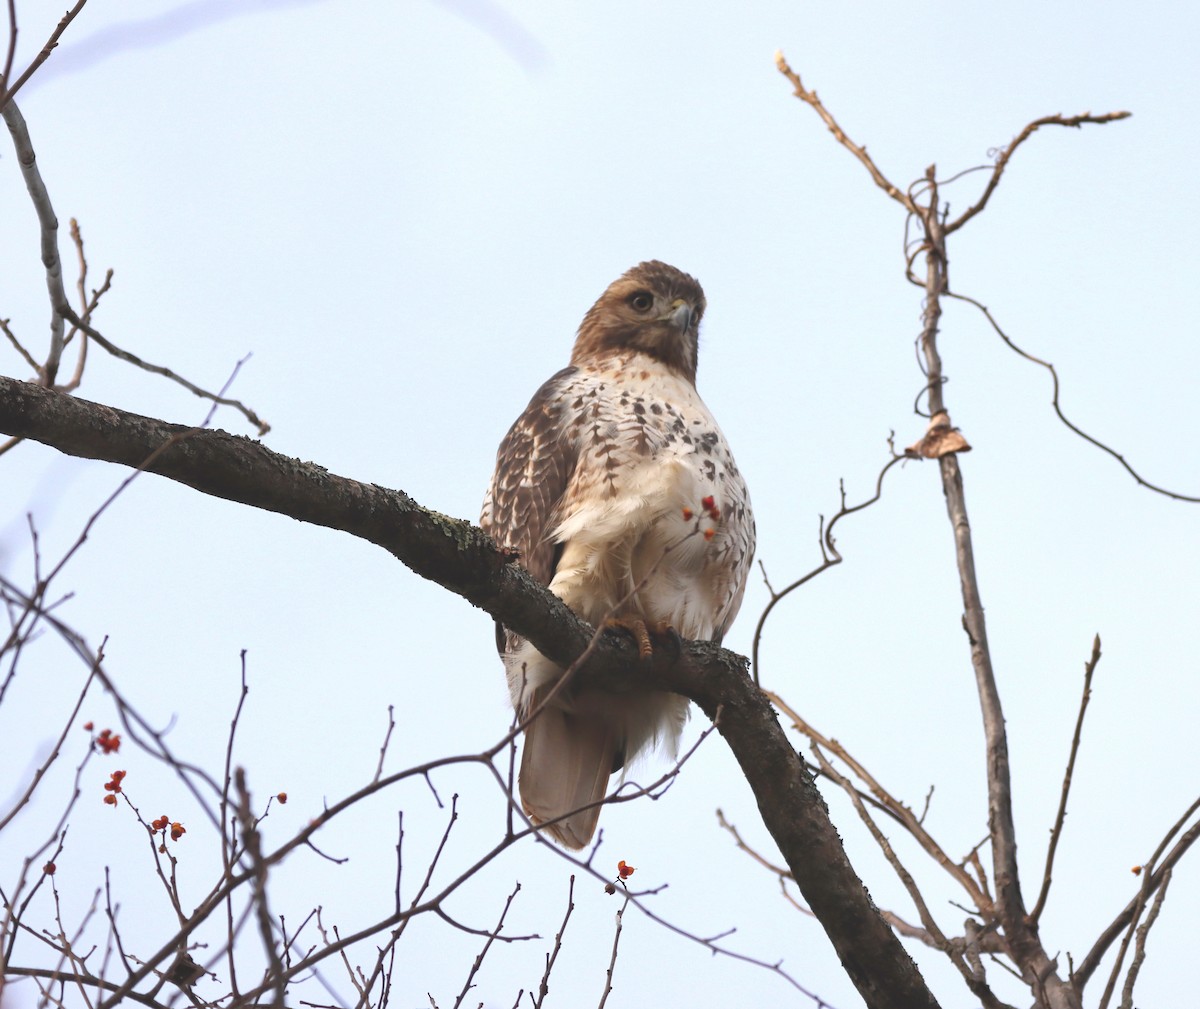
(10, 55)
(54, 753)
(779, 870)
(252, 841)
(386, 739)
(898, 810)
(87, 306)
(975, 982)
(810, 97)
(1058, 409)
(829, 552)
(478, 962)
(612, 961)
(1139, 950)
(1140, 905)
(1007, 153)
(544, 984)
(1056, 831)
(228, 827)
(48, 222)
(42, 56)
(19, 347)
(1152, 878)
(69, 314)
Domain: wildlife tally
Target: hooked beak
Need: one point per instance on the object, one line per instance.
(681, 314)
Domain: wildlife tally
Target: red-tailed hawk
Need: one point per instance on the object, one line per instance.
(617, 489)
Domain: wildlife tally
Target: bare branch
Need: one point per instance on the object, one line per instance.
(890, 804)
(779, 871)
(460, 557)
(1007, 153)
(612, 961)
(1139, 953)
(544, 985)
(10, 55)
(810, 97)
(478, 962)
(1056, 831)
(829, 552)
(69, 314)
(42, 56)
(19, 347)
(975, 979)
(253, 843)
(1153, 875)
(1024, 945)
(1058, 409)
(49, 235)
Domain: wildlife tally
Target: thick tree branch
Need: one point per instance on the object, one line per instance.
(460, 557)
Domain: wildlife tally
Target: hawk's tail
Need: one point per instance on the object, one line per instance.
(565, 767)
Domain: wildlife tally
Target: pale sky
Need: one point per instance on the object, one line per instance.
(402, 212)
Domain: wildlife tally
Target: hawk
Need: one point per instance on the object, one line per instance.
(617, 489)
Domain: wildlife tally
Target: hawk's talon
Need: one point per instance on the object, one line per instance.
(644, 634)
(636, 628)
(671, 638)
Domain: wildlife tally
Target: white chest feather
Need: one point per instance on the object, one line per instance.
(656, 519)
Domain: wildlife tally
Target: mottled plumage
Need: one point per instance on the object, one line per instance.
(615, 478)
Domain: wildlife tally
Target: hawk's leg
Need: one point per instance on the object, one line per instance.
(645, 634)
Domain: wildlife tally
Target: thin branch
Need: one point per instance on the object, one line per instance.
(386, 739)
(478, 962)
(552, 956)
(1058, 409)
(253, 844)
(40, 58)
(1022, 940)
(975, 980)
(1153, 875)
(11, 54)
(69, 314)
(779, 870)
(19, 347)
(829, 552)
(87, 307)
(1002, 161)
(612, 960)
(1056, 831)
(810, 97)
(1139, 950)
(890, 804)
(48, 223)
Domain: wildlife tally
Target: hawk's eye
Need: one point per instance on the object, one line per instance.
(642, 301)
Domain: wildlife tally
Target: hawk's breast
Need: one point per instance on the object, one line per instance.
(655, 503)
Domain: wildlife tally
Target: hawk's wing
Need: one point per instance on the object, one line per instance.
(533, 467)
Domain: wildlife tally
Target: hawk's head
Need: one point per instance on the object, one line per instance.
(653, 308)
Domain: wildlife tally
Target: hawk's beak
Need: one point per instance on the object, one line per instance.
(681, 314)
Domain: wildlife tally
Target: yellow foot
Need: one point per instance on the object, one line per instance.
(643, 633)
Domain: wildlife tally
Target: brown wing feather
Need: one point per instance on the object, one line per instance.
(533, 467)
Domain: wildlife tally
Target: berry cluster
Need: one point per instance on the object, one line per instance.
(623, 873)
(709, 506)
(107, 741)
(163, 822)
(113, 787)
